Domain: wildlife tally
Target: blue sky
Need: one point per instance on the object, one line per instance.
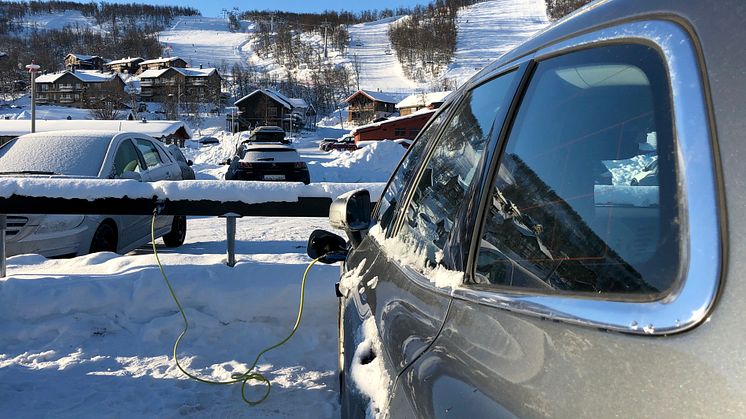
(213, 7)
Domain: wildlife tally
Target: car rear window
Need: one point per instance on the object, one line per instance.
(64, 155)
(585, 195)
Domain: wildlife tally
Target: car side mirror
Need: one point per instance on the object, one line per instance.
(327, 247)
(351, 212)
(227, 162)
(189, 162)
(131, 175)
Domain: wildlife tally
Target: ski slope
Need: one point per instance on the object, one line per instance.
(378, 70)
(488, 30)
(204, 41)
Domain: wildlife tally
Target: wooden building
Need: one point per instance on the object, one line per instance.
(185, 85)
(162, 63)
(392, 129)
(417, 101)
(83, 62)
(79, 88)
(125, 65)
(269, 107)
(366, 106)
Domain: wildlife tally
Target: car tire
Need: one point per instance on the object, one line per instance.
(104, 239)
(177, 235)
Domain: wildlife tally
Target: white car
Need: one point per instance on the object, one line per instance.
(88, 154)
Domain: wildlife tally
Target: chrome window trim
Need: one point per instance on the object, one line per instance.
(688, 304)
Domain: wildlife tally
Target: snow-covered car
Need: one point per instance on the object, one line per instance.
(268, 134)
(268, 162)
(187, 173)
(511, 268)
(88, 154)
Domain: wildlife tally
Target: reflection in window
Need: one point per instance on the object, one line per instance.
(450, 170)
(404, 173)
(585, 195)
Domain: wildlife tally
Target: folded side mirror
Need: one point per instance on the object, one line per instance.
(189, 162)
(326, 246)
(351, 212)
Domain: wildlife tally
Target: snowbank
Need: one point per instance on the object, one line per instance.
(373, 163)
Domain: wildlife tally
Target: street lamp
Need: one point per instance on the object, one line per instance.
(33, 69)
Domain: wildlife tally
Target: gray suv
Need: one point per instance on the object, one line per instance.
(516, 266)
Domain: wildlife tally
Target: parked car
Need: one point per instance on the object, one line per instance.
(346, 143)
(269, 162)
(499, 276)
(268, 134)
(325, 141)
(88, 154)
(345, 139)
(187, 173)
(208, 140)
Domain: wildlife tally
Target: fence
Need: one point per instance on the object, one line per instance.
(99, 197)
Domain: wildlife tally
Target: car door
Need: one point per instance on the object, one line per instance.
(411, 264)
(158, 167)
(574, 268)
(127, 159)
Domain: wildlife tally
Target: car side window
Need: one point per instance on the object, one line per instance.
(149, 153)
(126, 159)
(446, 176)
(584, 200)
(393, 194)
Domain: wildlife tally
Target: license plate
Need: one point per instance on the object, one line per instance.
(274, 177)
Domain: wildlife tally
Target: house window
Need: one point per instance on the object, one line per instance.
(400, 132)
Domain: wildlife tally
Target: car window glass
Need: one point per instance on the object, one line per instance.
(393, 193)
(149, 153)
(450, 170)
(126, 159)
(584, 199)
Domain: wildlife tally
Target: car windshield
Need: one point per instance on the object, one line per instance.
(268, 136)
(54, 154)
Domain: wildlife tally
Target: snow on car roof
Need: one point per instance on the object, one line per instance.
(156, 129)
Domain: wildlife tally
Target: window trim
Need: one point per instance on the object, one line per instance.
(687, 305)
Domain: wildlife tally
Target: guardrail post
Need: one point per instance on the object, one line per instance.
(230, 231)
(3, 264)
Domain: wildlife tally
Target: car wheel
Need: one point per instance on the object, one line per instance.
(177, 235)
(104, 239)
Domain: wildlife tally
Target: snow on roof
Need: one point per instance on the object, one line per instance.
(124, 60)
(376, 96)
(423, 99)
(298, 102)
(156, 129)
(389, 120)
(83, 57)
(87, 76)
(285, 101)
(160, 60)
(187, 72)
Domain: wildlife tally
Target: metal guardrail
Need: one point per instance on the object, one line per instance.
(230, 210)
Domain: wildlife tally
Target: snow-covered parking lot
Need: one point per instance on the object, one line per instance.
(92, 336)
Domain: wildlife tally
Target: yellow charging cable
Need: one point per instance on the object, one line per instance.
(245, 377)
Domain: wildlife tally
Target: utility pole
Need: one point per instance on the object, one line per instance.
(325, 25)
(33, 69)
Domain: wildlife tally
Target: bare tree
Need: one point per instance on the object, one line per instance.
(105, 101)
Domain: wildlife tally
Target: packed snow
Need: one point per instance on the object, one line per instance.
(92, 336)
